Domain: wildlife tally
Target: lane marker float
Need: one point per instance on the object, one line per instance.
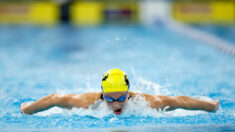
(207, 38)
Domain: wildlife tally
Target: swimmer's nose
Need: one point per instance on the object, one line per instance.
(116, 105)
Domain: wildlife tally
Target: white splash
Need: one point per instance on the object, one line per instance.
(51, 111)
(139, 107)
(98, 110)
(143, 85)
(113, 119)
(203, 98)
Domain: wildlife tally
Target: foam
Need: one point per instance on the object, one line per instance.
(51, 111)
(203, 98)
(112, 119)
(143, 85)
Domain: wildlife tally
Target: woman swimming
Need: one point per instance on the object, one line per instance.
(115, 92)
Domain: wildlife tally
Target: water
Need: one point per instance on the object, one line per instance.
(226, 32)
(38, 61)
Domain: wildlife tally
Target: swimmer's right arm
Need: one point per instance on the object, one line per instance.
(65, 101)
(184, 102)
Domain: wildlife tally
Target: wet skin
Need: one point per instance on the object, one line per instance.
(86, 99)
(116, 107)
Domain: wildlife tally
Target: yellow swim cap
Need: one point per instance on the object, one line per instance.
(115, 80)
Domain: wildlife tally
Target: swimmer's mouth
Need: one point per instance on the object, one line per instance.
(118, 111)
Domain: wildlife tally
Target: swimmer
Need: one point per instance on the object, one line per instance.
(115, 92)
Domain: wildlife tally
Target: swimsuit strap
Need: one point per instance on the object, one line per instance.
(129, 97)
(102, 96)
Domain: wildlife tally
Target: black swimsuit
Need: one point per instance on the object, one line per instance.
(102, 97)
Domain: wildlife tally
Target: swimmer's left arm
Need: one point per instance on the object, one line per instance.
(185, 102)
(64, 101)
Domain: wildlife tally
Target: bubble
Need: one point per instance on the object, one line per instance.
(113, 119)
(117, 38)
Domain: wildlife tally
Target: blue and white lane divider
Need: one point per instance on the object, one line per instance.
(207, 38)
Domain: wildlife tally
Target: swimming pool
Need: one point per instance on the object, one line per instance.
(38, 61)
(226, 32)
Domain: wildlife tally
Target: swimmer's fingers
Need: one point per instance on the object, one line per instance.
(22, 107)
(216, 104)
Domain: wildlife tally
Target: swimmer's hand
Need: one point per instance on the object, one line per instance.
(215, 104)
(23, 106)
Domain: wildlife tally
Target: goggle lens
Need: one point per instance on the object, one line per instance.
(111, 100)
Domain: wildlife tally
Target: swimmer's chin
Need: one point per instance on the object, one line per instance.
(117, 112)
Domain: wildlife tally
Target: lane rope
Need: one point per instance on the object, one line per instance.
(207, 38)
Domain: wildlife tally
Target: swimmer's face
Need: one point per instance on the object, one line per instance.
(116, 106)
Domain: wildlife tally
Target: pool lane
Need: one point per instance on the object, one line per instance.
(37, 61)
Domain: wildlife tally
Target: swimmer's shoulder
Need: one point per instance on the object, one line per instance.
(133, 94)
(91, 95)
(85, 99)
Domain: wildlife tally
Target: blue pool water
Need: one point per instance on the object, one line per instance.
(38, 61)
(227, 32)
